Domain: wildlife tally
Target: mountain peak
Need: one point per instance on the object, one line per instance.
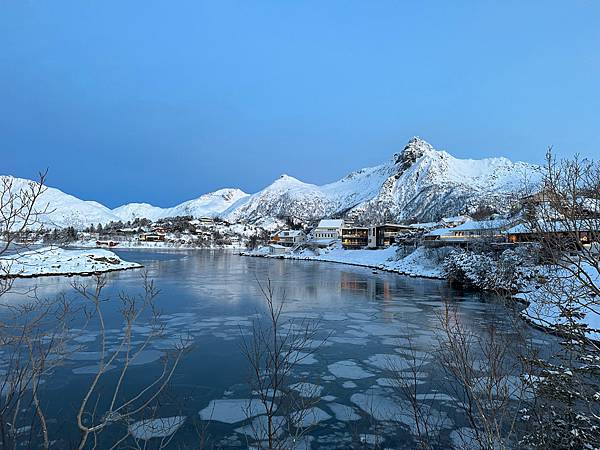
(414, 149)
(285, 178)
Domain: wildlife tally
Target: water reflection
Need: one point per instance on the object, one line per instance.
(212, 297)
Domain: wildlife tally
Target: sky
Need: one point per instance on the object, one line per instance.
(162, 101)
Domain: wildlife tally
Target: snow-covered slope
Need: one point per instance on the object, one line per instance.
(419, 183)
(286, 196)
(132, 211)
(211, 205)
(60, 209)
(428, 184)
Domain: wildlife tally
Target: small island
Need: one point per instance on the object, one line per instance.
(52, 261)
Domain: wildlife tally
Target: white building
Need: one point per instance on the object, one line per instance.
(276, 249)
(472, 229)
(329, 229)
(288, 238)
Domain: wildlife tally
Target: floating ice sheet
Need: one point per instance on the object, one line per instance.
(309, 417)
(307, 390)
(154, 428)
(343, 413)
(348, 369)
(232, 410)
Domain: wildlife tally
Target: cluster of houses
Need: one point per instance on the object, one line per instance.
(329, 231)
(460, 231)
(175, 230)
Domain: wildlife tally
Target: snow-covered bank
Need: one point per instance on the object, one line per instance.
(160, 245)
(543, 302)
(417, 264)
(59, 261)
(541, 311)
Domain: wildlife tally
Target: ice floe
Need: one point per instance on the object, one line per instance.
(343, 413)
(258, 428)
(389, 362)
(155, 428)
(309, 417)
(348, 369)
(307, 390)
(232, 410)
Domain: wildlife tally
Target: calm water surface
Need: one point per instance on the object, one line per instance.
(212, 296)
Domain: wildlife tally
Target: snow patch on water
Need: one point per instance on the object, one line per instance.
(153, 428)
(232, 410)
(348, 369)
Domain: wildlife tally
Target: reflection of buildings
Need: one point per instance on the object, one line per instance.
(370, 287)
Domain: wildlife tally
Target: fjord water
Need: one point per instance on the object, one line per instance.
(372, 319)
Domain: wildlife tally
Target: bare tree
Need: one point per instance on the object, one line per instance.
(485, 370)
(564, 220)
(273, 350)
(20, 224)
(26, 337)
(36, 337)
(102, 406)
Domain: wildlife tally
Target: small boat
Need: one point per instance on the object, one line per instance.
(106, 243)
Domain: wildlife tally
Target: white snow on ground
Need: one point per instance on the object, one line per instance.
(418, 263)
(546, 314)
(154, 428)
(59, 261)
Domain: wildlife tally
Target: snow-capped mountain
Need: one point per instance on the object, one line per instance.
(211, 205)
(427, 184)
(419, 183)
(132, 211)
(58, 210)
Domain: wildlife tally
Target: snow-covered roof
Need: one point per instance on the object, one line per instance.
(552, 227)
(424, 225)
(454, 219)
(331, 223)
(494, 224)
(290, 233)
(441, 232)
(277, 246)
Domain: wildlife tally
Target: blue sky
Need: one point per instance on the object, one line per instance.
(161, 101)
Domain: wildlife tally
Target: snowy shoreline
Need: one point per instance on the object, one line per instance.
(128, 245)
(416, 264)
(54, 261)
(419, 265)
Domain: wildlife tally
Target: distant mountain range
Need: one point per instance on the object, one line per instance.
(417, 184)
